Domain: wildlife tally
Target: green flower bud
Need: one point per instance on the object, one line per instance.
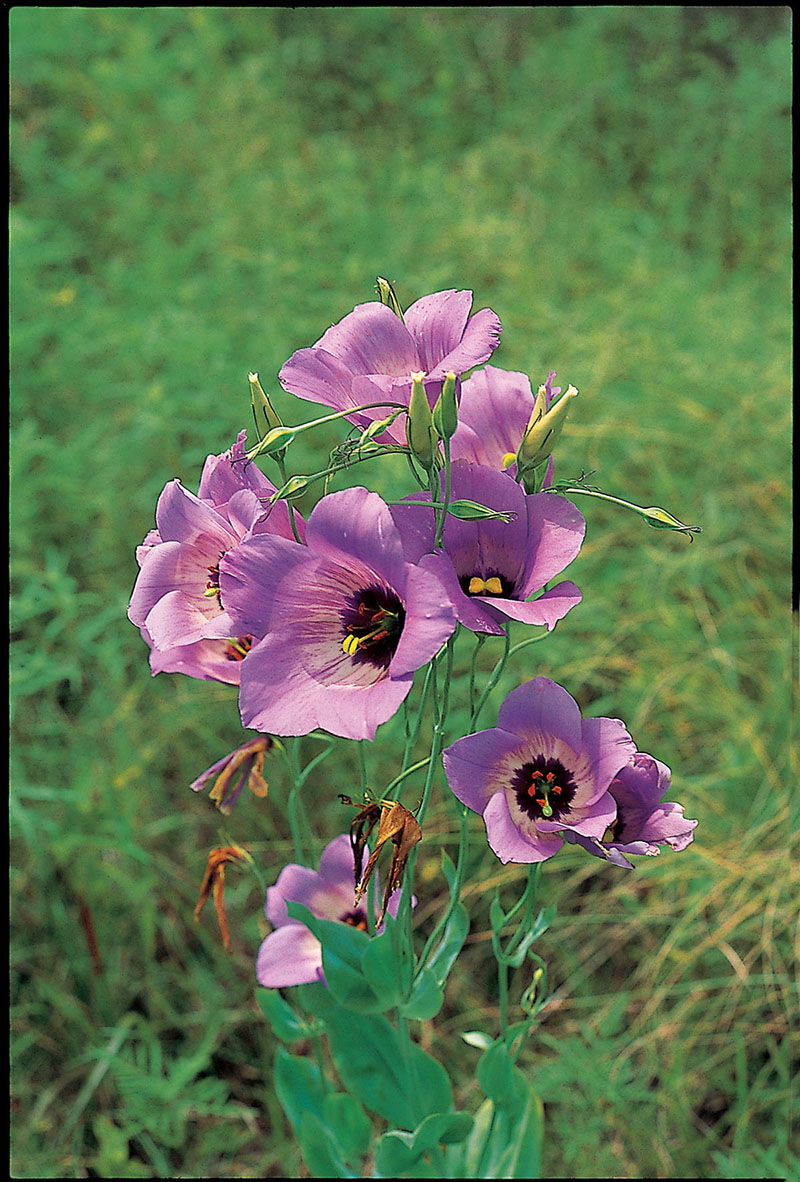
(387, 296)
(445, 413)
(543, 429)
(265, 415)
(420, 433)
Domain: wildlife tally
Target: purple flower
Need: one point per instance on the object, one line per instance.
(494, 412)
(345, 620)
(369, 356)
(541, 771)
(177, 603)
(291, 955)
(491, 568)
(644, 821)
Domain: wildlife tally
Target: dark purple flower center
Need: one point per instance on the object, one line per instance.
(489, 583)
(212, 586)
(544, 789)
(373, 621)
(356, 919)
(238, 647)
(618, 828)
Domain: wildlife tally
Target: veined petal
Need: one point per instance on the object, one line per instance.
(555, 535)
(253, 576)
(437, 323)
(183, 517)
(542, 707)
(480, 765)
(372, 339)
(548, 609)
(430, 621)
(357, 524)
(481, 338)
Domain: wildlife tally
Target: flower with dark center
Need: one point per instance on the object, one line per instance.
(369, 356)
(291, 955)
(644, 820)
(345, 620)
(543, 772)
(492, 568)
(177, 602)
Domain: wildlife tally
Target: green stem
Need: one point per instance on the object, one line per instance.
(494, 676)
(442, 517)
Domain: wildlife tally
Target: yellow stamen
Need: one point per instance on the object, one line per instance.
(350, 644)
(493, 585)
(509, 458)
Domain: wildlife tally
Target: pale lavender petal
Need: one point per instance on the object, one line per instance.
(336, 862)
(226, 474)
(294, 882)
(279, 697)
(482, 764)
(206, 660)
(180, 619)
(290, 955)
(542, 707)
(417, 526)
(509, 842)
(470, 610)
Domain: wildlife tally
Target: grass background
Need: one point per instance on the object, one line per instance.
(197, 192)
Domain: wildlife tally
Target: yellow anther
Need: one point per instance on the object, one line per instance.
(350, 644)
(478, 586)
(509, 458)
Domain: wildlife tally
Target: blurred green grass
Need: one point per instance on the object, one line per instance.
(196, 192)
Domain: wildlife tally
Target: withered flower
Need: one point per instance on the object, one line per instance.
(395, 824)
(234, 770)
(214, 883)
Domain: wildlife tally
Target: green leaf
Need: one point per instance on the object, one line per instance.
(320, 1150)
(286, 1024)
(391, 1077)
(495, 1072)
(497, 916)
(398, 1152)
(452, 941)
(350, 1124)
(506, 1140)
(343, 947)
(381, 967)
(299, 1087)
(426, 998)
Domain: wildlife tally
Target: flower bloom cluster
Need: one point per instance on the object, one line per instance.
(323, 623)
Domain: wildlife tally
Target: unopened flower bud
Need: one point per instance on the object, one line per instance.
(543, 429)
(386, 295)
(420, 433)
(265, 415)
(445, 413)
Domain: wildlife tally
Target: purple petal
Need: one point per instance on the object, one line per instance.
(540, 708)
(316, 375)
(372, 339)
(555, 535)
(437, 322)
(356, 524)
(290, 955)
(609, 747)
(470, 610)
(509, 842)
(430, 621)
(480, 765)
(252, 578)
(279, 697)
(223, 475)
(205, 660)
(495, 408)
(296, 883)
(548, 609)
(182, 517)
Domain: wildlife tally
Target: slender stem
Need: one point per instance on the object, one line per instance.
(494, 676)
(442, 516)
(298, 821)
